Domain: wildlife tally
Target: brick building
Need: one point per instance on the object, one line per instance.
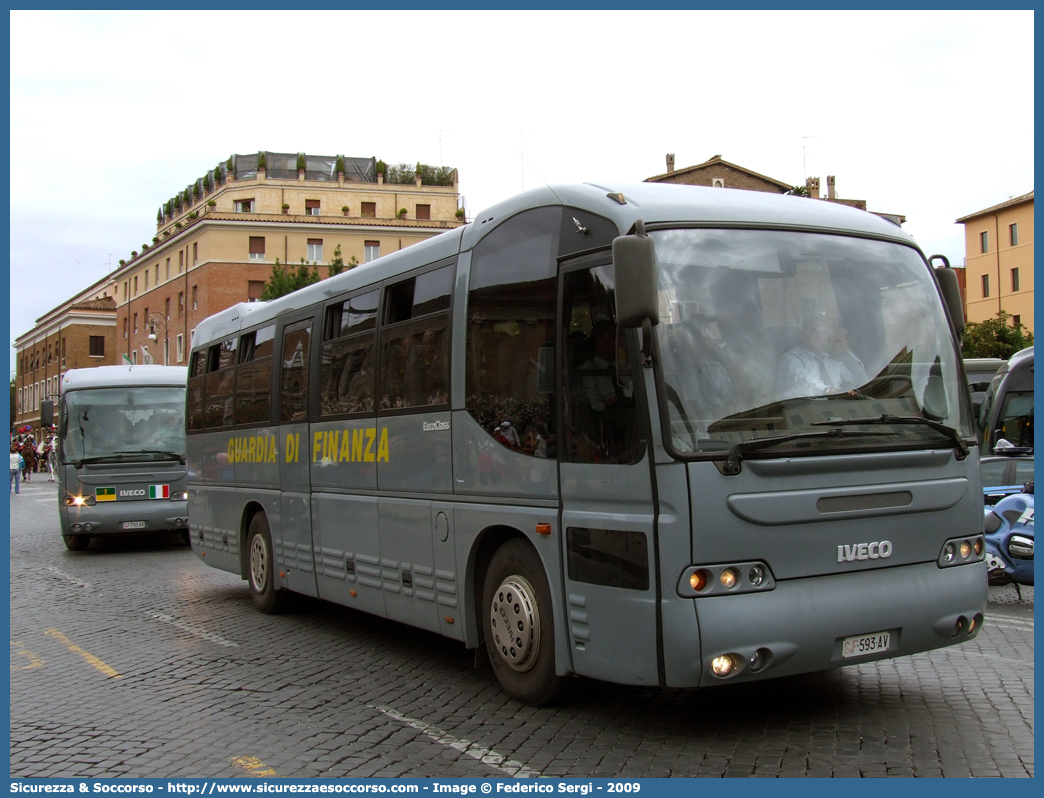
(79, 333)
(998, 263)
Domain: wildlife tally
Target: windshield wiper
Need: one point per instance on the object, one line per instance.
(888, 418)
(732, 464)
(174, 455)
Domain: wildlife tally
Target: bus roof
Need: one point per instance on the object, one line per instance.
(114, 376)
(652, 203)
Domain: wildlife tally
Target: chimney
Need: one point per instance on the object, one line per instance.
(812, 187)
(670, 162)
(830, 187)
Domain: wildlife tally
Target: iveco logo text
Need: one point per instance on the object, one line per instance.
(865, 551)
(140, 492)
(436, 426)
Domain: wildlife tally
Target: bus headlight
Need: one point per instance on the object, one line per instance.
(724, 665)
(179, 496)
(961, 551)
(719, 580)
(79, 501)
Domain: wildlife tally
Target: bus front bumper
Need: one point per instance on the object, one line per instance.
(802, 625)
(125, 518)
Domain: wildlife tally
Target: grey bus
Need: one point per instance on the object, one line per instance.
(121, 452)
(574, 433)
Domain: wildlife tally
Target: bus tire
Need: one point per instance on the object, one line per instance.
(76, 542)
(518, 625)
(261, 567)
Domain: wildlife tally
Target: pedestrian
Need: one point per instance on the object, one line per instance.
(17, 464)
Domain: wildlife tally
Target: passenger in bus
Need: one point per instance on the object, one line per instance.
(810, 369)
(599, 373)
(693, 369)
(839, 351)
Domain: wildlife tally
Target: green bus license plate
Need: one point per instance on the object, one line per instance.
(862, 645)
(133, 524)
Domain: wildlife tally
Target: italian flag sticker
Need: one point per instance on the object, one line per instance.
(159, 491)
(105, 494)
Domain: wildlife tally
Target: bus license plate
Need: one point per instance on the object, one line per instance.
(863, 645)
(133, 524)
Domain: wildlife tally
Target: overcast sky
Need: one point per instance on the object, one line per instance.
(925, 114)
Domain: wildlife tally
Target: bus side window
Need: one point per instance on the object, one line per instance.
(509, 356)
(346, 368)
(415, 341)
(293, 389)
(217, 408)
(196, 387)
(253, 403)
(601, 420)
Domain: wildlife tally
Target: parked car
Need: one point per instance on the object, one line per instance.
(1006, 415)
(1004, 474)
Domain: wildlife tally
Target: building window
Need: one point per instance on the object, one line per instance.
(97, 345)
(315, 249)
(371, 251)
(1016, 321)
(984, 241)
(181, 261)
(157, 274)
(134, 357)
(135, 323)
(985, 285)
(1013, 234)
(166, 308)
(423, 211)
(124, 331)
(168, 268)
(124, 290)
(181, 302)
(135, 285)
(195, 301)
(254, 290)
(181, 347)
(146, 279)
(257, 247)
(369, 209)
(311, 207)
(244, 206)
(1015, 279)
(195, 254)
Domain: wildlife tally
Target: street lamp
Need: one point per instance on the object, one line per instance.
(153, 320)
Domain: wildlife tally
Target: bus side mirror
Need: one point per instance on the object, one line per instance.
(951, 292)
(634, 262)
(47, 413)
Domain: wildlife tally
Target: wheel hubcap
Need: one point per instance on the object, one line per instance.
(515, 623)
(258, 564)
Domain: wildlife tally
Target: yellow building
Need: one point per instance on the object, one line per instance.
(998, 245)
(217, 241)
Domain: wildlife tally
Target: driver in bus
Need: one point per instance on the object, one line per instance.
(810, 369)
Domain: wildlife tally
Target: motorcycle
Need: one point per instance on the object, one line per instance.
(1008, 528)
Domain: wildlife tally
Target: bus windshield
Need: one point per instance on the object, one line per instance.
(820, 342)
(120, 423)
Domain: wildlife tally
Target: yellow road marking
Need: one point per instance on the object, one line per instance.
(93, 660)
(35, 661)
(254, 767)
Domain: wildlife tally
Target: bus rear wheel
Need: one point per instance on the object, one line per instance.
(76, 542)
(518, 625)
(261, 567)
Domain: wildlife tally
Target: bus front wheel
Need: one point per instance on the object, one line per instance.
(518, 625)
(261, 565)
(76, 542)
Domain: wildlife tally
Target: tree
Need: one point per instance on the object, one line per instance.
(337, 265)
(995, 338)
(283, 282)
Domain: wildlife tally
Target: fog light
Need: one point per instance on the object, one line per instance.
(759, 659)
(76, 527)
(698, 580)
(723, 665)
(87, 527)
(966, 549)
(756, 575)
(728, 578)
(959, 626)
(972, 625)
(978, 547)
(949, 552)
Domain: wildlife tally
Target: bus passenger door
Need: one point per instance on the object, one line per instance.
(292, 530)
(606, 490)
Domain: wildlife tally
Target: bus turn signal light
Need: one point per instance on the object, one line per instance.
(543, 529)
